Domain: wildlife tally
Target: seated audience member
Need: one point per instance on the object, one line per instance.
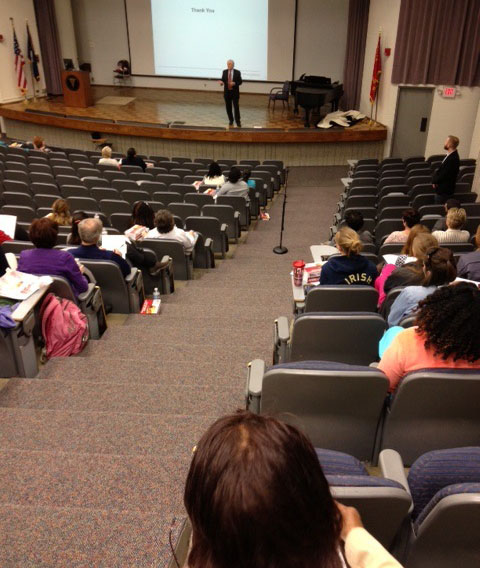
(133, 160)
(214, 175)
(410, 217)
(3, 262)
(439, 269)
(354, 220)
(246, 178)
(456, 219)
(45, 260)
(256, 496)
(90, 231)
(441, 224)
(350, 267)
(410, 273)
(468, 265)
(143, 214)
(447, 335)
(106, 159)
(60, 213)
(38, 143)
(74, 238)
(234, 185)
(165, 228)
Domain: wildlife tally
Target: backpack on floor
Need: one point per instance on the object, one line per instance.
(64, 327)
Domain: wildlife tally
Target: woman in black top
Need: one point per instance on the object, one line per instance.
(133, 160)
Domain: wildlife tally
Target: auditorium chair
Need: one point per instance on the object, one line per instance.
(239, 204)
(273, 170)
(204, 256)
(468, 197)
(168, 179)
(471, 224)
(142, 176)
(346, 337)
(44, 200)
(111, 206)
(267, 180)
(151, 186)
(182, 188)
(129, 169)
(338, 406)
(182, 260)
(385, 227)
(417, 180)
(168, 164)
(16, 166)
(341, 299)
(15, 198)
(124, 183)
(36, 177)
(22, 212)
(180, 159)
(100, 193)
(210, 227)
(181, 172)
(227, 215)
(156, 159)
(261, 189)
(116, 174)
(424, 199)
(191, 179)
(16, 247)
(445, 520)
(433, 409)
(84, 164)
(134, 195)
(74, 191)
(167, 197)
(17, 347)
(17, 175)
(390, 213)
(62, 162)
(96, 182)
(121, 221)
(89, 302)
(354, 201)
(459, 248)
(199, 199)
(184, 210)
(393, 200)
(121, 295)
(465, 178)
(39, 168)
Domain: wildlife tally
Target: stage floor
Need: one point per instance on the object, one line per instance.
(166, 105)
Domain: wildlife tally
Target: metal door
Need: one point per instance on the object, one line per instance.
(414, 105)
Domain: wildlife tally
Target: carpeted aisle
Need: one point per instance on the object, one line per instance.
(94, 453)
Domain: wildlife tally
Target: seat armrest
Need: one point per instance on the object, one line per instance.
(253, 394)
(236, 214)
(131, 278)
(208, 243)
(85, 296)
(223, 228)
(283, 331)
(391, 466)
(89, 275)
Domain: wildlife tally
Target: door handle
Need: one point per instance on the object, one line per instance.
(423, 124)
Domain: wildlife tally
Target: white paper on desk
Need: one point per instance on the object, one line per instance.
(115, 242)
(20, 285)
(8, 224)
(392, 258)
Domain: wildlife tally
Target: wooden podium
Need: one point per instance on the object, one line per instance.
(76, 89)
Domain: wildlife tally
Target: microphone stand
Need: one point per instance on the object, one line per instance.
(281, 249)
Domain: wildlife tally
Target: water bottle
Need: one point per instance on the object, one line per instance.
(156, 294)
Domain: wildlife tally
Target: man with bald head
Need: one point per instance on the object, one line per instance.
(231, 81)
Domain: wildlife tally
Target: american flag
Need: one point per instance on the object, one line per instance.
(19, 65)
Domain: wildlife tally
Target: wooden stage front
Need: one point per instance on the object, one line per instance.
(159, 121)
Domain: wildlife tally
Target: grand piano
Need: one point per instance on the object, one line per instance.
(312, 92)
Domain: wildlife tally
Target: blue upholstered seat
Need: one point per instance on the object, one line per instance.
(435, 471)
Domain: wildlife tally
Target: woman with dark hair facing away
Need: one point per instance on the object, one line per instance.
(257, 497)
(214, 176)
(133, 160)
(74, 238)
(354, 220)
(350, 267)
(45, 260)
(410, 217)
(234, 185)
(143, 214)
(447, 334)
(439, 269)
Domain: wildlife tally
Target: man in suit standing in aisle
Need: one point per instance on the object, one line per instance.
(445, 177)
(231, 81)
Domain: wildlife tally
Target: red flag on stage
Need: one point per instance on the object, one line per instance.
(377, 70)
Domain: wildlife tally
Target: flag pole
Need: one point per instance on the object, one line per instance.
(379, 77)
(31, 66)
(24, 91)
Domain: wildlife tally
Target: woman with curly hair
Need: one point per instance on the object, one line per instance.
(447, 335)
(257, 496)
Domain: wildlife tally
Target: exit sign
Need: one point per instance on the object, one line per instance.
(449, 92)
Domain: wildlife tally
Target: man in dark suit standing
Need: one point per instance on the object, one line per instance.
(231, 81)
(445, 177)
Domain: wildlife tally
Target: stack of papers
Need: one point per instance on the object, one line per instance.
(8, 224)
(20, 285)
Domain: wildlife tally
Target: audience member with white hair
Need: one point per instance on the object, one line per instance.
(106, 159)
